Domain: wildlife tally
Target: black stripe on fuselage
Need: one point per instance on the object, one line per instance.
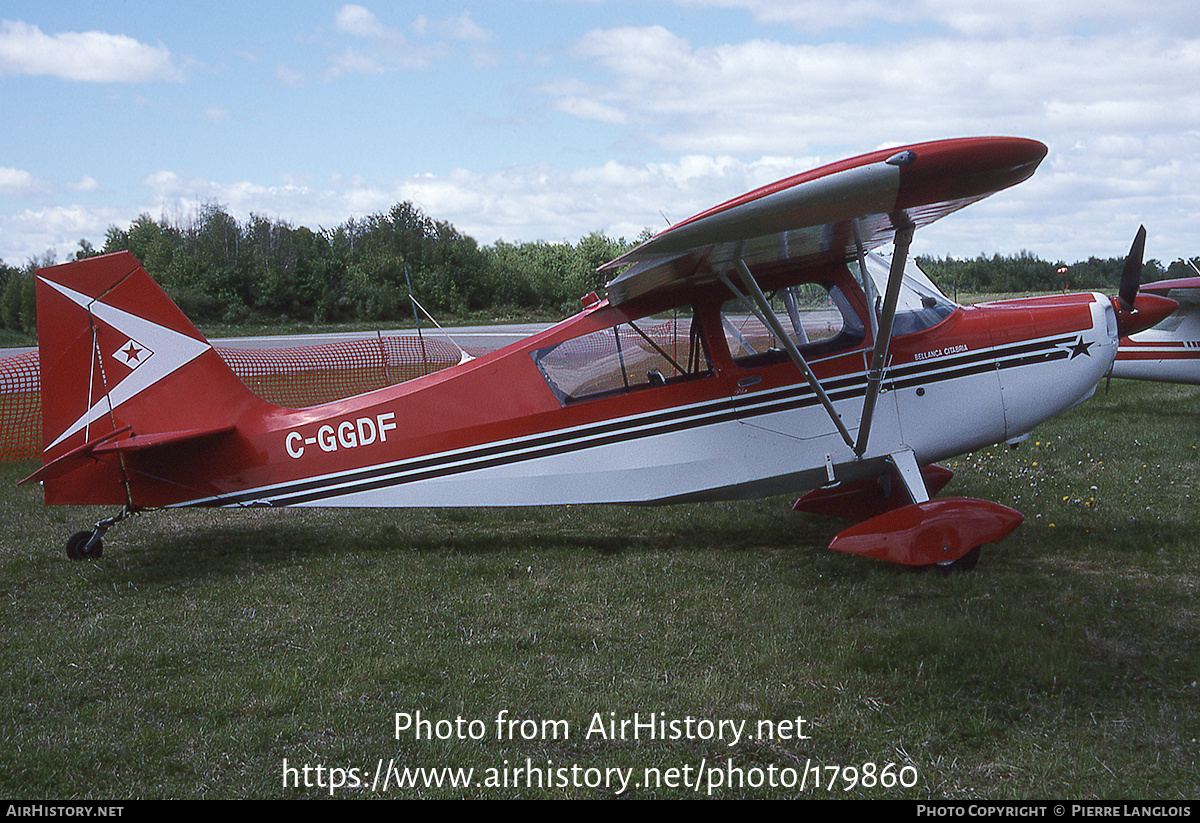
(651, 424)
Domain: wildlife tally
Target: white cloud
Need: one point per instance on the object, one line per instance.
(462, 27)
(817, 16)
(18, 181)
(760, 98)
(360, 22)
(85, 183)
(31, 233)
(586, 109)
(386, 48)
(90, 56)
(353, 62)
(974, 18)
(527, 202)
(539, 202)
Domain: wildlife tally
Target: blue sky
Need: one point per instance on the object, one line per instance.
(547, 119)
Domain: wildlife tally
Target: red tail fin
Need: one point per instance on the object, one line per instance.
(121, 364)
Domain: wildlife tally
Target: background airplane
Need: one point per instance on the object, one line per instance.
(1170, 351)
(755, 349)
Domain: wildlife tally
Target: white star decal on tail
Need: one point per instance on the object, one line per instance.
(163, 352)
(132, 354)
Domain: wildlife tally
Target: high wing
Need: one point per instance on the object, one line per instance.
(828, 215)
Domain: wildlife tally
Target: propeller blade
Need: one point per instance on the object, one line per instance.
(1131, 277)
(1138, 312)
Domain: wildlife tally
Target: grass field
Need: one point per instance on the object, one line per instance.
(206, 650)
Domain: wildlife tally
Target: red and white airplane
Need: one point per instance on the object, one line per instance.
(1170, 351)
(756, 349)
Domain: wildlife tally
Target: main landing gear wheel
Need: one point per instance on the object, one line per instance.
(966, 563)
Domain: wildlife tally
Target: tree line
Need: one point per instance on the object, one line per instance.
(1025, 272)
(222, 270)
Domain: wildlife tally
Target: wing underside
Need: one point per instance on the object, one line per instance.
(828, 215)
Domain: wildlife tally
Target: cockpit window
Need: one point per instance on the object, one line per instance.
(651, 352)
(920, 304)
(816, 316)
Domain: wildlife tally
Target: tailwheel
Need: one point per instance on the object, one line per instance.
(88, 545)
(80, 546)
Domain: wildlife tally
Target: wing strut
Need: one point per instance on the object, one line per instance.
(883, 338)
(776, 327)
(868, 286)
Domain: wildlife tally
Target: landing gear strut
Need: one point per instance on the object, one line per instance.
(87, 545)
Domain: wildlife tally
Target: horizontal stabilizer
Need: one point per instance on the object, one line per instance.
(116, 442)
(936, 531)
(871, 496)
(79, 456)
(159, 439)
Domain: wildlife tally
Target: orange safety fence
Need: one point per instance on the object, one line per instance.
(295, 377)
(304, 376)
(20, 407)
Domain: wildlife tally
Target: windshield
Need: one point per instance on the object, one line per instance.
(920, 304)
